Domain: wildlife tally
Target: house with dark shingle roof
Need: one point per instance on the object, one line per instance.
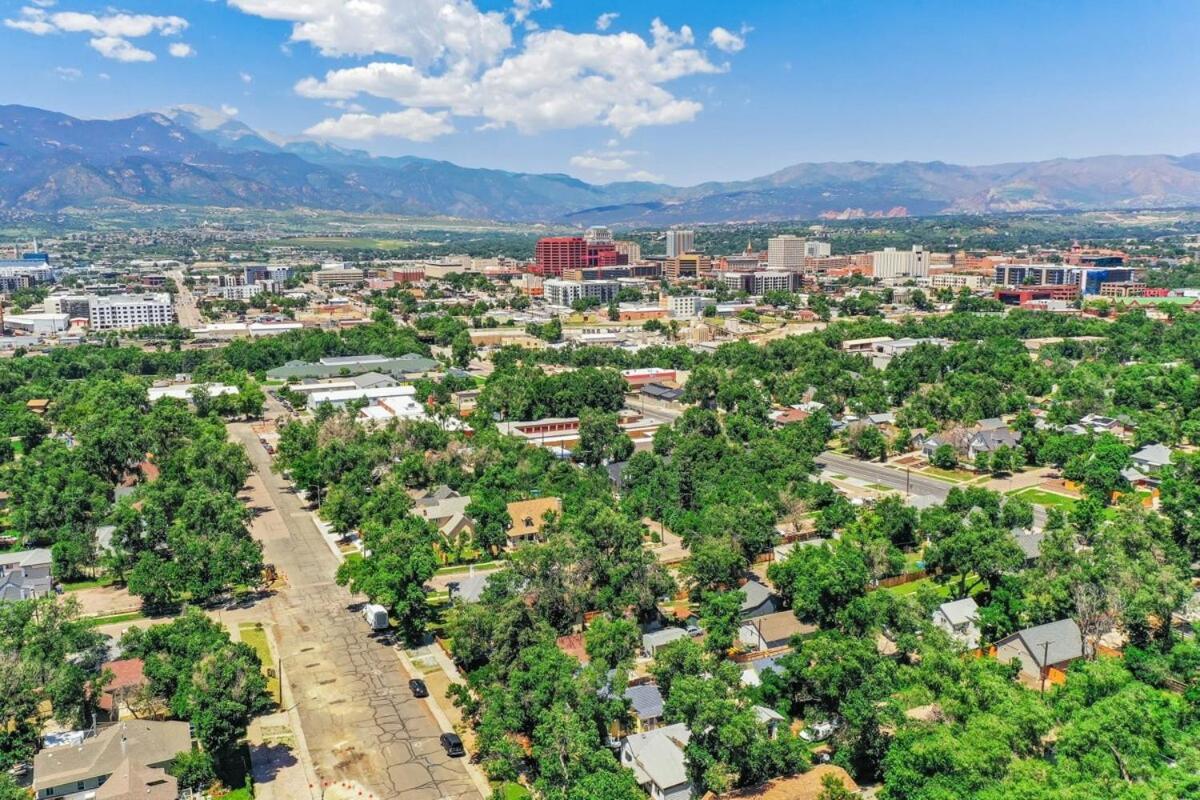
(1043, 648)
(131, 755)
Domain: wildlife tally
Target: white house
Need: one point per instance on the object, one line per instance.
(25, 574)
(657, 760)
(960, 619)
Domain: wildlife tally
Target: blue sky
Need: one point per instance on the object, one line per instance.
(714, 91)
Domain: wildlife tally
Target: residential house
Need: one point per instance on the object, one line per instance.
(759, 600)
(645, 709)
(128, 678)
(123, 761)
(1030, 542)
(770, 719)
(753, 671)
(447, 509)
(960, 619)
(653, 640)
(1151, 458)
(772, 631)
(25, 574)
(991, 439)
(806, 786)
(788, 416)
(658, 762)
(1043, 648)
(528, 517)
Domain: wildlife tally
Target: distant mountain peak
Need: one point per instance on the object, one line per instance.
(196, 155)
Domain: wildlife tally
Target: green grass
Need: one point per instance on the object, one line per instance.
(512, 791)
(114, 619)
(252, 633)
(905, 589)
(244, 793)
(1048, 499)
(354, 243)
(95, 583)
(455, 569)
(952, 475)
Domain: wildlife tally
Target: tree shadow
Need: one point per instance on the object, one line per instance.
(267, 760)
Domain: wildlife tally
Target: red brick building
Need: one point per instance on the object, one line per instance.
(557, 253)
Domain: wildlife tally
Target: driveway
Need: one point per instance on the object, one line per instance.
(358, 719)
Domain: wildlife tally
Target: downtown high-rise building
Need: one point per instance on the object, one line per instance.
(680, 242)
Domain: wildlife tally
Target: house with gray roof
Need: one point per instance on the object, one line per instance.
(1030, 542)
(1151, 458)
(653, 640)
(759, 601)
(121, 762)
(658, 761)
(1043, 647)
(25, 574)
(960, 619)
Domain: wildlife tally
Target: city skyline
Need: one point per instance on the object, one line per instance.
(676, 92)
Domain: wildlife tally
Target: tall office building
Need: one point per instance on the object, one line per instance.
(785, 253)
(680, 242)
(598, 234)
(891, 263)
(557, 253)
(631, 250)
(815, 248)
(115, 312)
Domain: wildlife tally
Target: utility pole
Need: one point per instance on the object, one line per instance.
(1044, 665)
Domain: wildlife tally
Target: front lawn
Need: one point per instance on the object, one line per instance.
(252, 633)
(1049, 499)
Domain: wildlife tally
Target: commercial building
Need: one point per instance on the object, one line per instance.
(254, 273)
(691, 305)
(338, 366)
(973, 281)
(37, 324)
(891, 263)
(759, 283)
(1131, 289)
(1020, 295)
(631, 250)
(1087, 279)
(242, 292)
(555, 254)
(602, 254)
(338, 275)
(372, 396)
(686, 265)
(785, 253)
(598, 234)
(115, 312)
(559, 292)
(680, 242)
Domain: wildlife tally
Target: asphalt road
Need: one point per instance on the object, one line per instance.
(359, 720)
(186, 313)
(886, 475)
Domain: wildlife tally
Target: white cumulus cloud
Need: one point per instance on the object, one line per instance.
(426, 31)
(726, 40)
(181, 50)
(411, 123)
(598, 163)
(558, 80)
(605, 20)
(110, 33)
(451, 60)
(119, 49)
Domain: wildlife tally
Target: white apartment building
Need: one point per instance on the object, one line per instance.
(117, 311)
(785, 253)
(680, 242)
(893, 263)
(691, 305)
(815, 248)
(243, 292)
(559, 292)
(959, 280)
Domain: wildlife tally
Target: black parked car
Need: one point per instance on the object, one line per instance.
(418, 688)
(453, 745)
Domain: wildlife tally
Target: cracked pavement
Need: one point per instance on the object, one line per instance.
(359, 720)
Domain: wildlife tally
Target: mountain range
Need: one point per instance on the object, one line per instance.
(51, 161)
